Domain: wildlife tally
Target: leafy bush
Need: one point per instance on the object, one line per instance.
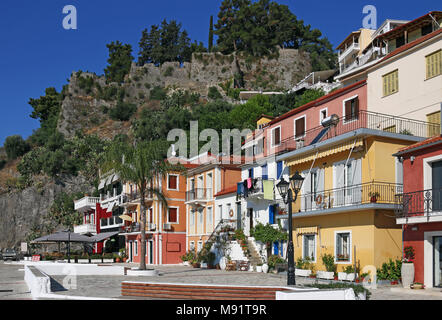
(329, 262)
(168, 72)
(122, 111)
(15, 147)
(349, 269)
(2, 163)
(214, 93)
(339, 285)
(86, 83)
(273, 260)
(189, 256)
(158, 93)
(390, 270)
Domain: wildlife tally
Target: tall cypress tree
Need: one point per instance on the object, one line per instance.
(211, 34)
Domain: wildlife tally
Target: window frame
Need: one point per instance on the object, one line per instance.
(177, 214)
(273, 145)
(320, 115)
(315, 246)
(350, 245)
(427, 77)
(305, 127)
(344, 115)
(177, 181)
(136, 248)
(384, 92)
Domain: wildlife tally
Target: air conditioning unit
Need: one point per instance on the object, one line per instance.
(167, 226)
(151, 226)
(299, 143)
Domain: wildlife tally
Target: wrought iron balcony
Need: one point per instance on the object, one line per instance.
(424, 203)
(365, 193)
(256, 190)
(199, 194)
(362, 119)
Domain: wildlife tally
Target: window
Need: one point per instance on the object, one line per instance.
(192, 245)
(343, 247)
(172, 216)
(391, 83)
(309, 248)
(258, 148)
(322, 115)
(192, 218)
(433, 128)
(228, 208)
(400, 41)
(300, 127)
(434, 64)
(150, 215)
(251, 173)
(351, 109)
(264, 174)
(200, 246)
(426, 29)
(136, 247)
(276, 136)
(209, 219)
(172, 183)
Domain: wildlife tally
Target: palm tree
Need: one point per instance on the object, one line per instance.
(142, 164)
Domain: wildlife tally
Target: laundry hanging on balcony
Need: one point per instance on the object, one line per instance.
(268, 189)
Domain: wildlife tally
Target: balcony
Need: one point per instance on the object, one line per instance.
(361, 120)
(353, 48)
(374, 193)
(198, 196)
(134, 198)
(257, 189)
(112, 222)
(419, 207)
(85, 229)
(86, 204)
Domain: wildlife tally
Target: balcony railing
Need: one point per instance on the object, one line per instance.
(365, 193)
(422, 203)
(257, 189)
(134, 196)
(351, 48)
(85, 228)
(199, 194)
(86, 202)
(362, 119)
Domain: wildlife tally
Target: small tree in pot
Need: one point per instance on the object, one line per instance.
(407, 268)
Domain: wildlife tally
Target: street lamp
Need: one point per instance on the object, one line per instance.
(284, 189)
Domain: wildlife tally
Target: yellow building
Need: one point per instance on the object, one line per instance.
(346, 205)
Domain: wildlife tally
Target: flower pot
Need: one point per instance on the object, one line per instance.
(326, 275)
(373, 199)
(342, 276)
(394, 282)
(117, 259)
(407, 273)
(265, 268)
(223, 263)
(303, 272)
(204, 265)
(258, 268)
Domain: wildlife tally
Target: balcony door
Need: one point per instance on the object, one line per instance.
(436, 178)
(437, 258)
(347, 178)
(312, 187)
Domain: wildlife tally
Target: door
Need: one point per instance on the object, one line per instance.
(250, 210)
(150, 251)
(238, 215)
(437, 258)
(131, 251)
(436, 178)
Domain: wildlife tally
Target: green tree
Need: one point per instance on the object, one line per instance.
(308, 96)
(62, 210)
(15, 147)
(267, 234)
(119, 61)
(141, 164)
(211, 34)
(122, 111)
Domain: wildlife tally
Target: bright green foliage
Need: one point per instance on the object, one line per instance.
(329, 262)
(308, 96)
(259, 27)
(120, 60)
(214, 94)
(62, 210)
(390, 270)
(245, 115)
(15, 147)
(158, 93)
(273, 260)
(122, 111)
(166, 42)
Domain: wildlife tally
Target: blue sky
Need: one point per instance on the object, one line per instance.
(36, 52)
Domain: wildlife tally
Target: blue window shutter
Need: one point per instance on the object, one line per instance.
(275, 247)
(265, 174)
(251, 173)
(279, 169)
(271, 214)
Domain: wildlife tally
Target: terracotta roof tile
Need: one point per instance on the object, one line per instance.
(421, 143)
(226, 191)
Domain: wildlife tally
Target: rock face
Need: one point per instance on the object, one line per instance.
(20, 211)
(86, 106)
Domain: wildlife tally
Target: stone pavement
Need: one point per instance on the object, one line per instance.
(12, 283)
(110, 286)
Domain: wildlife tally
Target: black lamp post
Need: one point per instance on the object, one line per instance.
(284, 189)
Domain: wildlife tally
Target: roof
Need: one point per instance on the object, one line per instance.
(319, 100)
(414, 22)
(347, 38)
(420, 145)
(226, 191)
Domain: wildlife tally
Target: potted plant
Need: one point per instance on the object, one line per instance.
(374, 196)
(259, 267)
(329, 262)
(407, 268)
(348, 274)
(417, 286)
(303, 267)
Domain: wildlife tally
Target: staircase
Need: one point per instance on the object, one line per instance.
(198, 292)
(253, 256)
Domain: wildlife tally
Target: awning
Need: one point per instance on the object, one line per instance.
(63, 237)
(103, 236)
(108, 180)
(126, 217)
(321, 154)
(307, 230)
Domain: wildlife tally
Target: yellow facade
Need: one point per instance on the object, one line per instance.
(372, 226)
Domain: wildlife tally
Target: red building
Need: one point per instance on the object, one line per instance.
(419, 208)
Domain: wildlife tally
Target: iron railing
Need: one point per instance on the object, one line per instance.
(371, 192)
(257, 188)
(362, 119)
(199, 194)
(419, 203)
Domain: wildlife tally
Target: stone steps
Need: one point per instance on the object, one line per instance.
(197, 292)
